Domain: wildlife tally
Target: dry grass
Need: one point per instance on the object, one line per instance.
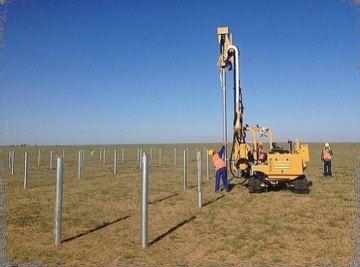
(101, 214)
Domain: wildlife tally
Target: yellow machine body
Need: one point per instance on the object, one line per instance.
(280, 167)
(280, 164)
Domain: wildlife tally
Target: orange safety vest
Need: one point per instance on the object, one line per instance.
(326, 154)
(218, 162)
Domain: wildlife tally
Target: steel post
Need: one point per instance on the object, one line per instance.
(58, 200)
(51, 159)
(25, 170)
(199, 179)
(207, 165)
(115, 161)
(145, 201)
(79, 164)
(39, 157)
(12, 162)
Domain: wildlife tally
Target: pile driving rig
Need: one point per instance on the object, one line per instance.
(279, 168)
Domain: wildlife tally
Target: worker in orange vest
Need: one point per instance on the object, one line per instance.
(326, 156)
(220, 167)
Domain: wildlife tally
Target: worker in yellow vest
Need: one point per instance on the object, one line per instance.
(220, 168)
(326, 157)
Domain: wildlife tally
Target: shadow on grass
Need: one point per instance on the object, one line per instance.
(162, 199)
(192, 187)
(103, 225)
(213, 200)
(171, 230)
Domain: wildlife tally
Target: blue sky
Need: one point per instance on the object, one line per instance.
(123, 72)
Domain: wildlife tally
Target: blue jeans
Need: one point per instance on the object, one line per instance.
(221, 173)
(327, 168)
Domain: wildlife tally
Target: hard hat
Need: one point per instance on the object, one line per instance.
(210, 152)
(327, 145)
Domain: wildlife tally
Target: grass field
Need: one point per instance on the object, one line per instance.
(101, 213)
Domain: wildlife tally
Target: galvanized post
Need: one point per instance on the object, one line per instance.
(58, 200)
(51, 159)
(138, 157)
(122, 155)
(79, 165)
(100, 153)
(175, 156)
(39, 157)
(199, 179)
(9, 158)
(185, 171)
(207, 165)
(83, 155)
(25, 170)
(151, 153)
(187, 155)
(104, 157)
(63, 155)
(115, 161)
(12, 162)
(144, 202)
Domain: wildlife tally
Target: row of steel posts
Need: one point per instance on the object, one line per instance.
(81, 159)
(144, 193)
